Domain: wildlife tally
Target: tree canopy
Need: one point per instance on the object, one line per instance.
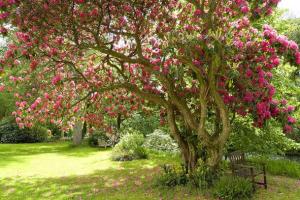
(202, 61)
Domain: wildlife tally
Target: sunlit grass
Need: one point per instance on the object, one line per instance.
(60, 171)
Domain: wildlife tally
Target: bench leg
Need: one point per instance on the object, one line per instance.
(265, 181)
(252, 178)
(265, 178)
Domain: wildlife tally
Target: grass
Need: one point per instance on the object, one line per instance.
(281, 167)
(60, 171)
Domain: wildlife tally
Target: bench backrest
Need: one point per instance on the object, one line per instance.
(236, 158)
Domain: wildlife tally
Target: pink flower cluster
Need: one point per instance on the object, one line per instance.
(56, 79)
(2, 87)
(286, 44)
(244, 6)
(36, 103)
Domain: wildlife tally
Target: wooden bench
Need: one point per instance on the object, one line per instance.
(243, 168)
(103, 144)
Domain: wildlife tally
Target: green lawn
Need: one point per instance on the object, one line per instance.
(60, 171)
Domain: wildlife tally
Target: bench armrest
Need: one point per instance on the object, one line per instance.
(259, 164)
(244, 166)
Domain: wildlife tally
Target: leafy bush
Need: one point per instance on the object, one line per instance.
(233, 188)
(93, 139)
(160, 141)
(171, 177)
(144, 124)
(55, 130)
(130, 147)
(269, 140)
(203, 177)
(11, 133)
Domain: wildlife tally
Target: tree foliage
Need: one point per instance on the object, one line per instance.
(203, 62)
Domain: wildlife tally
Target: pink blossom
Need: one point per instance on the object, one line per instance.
(33, 64)
(238, 44)
(269, 74)
(46, 95)
(297, 56)
(122, 21)
(269, 11)
(21, 125)
(261, 81)
(79, 1)
(283, 102)
(290, 108)
(288, 129)
(18, 119)
(33, 106)
(11, 1)
(275, 1)
(272, 90)
(56, 79)
(293, 45)
(275, 61)
(197, 12)
(57, 105)
(245, 9)
(275, 111)
(156, 68)
(283, 41)
(4, 15)
(261, 108)
(249, 73)
(248, 97)
(291, 120)
(22, 104)
(2, 88)
(127, 8)
(228, 99)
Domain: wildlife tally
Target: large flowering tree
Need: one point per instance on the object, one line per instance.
(201, 61)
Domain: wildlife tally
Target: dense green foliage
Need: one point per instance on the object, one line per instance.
(233, 188)
(145, 124)
(269, 140)
(93, 138)
(203, 178)
(11, 133)
(56, 132)
(171, 177)
(160, 141)
(130, 147)
(7, 104)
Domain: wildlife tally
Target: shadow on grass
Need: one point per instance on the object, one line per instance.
(18, 152)
(133, 180)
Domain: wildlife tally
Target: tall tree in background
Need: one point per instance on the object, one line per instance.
(201, 61)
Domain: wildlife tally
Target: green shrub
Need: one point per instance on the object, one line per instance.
(93, 139)
(145, 124)
(130, 147)
(171, 177)
(11, 133)
(160, 141)
(203, 177)
(233, 188)
(55, 131)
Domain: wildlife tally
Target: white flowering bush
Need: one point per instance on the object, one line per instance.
(160, 141)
